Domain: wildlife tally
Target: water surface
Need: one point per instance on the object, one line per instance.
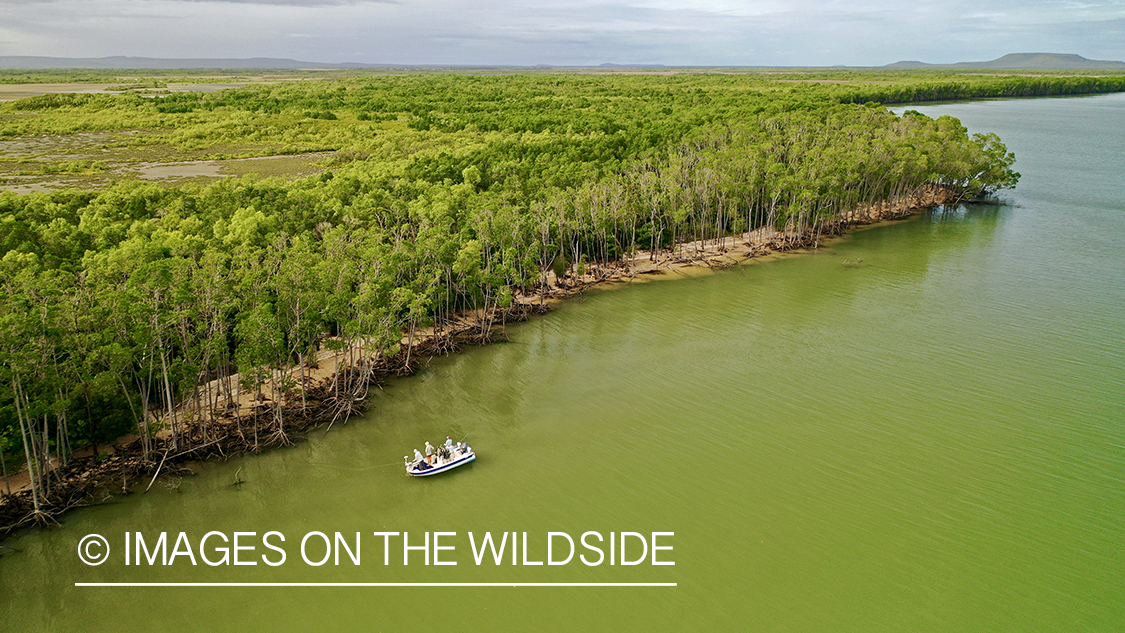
(930, 440)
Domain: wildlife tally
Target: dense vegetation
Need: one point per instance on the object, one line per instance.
(447, 193)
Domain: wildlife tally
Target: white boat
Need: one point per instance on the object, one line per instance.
(458, 456)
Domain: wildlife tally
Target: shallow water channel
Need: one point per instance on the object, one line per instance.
(920, 427)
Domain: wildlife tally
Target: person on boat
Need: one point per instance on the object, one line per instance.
(429, 452)
(417, 456)
(448, 442)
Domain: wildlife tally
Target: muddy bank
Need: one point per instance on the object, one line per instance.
(328, 392)
(120, 467)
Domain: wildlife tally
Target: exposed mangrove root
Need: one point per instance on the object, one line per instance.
(305, 404)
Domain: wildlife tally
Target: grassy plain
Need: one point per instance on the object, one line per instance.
(87, 129)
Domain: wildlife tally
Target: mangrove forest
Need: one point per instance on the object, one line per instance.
(190, 315)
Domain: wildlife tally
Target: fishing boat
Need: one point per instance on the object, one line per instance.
(446, 458)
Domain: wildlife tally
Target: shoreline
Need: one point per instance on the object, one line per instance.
(253, 425)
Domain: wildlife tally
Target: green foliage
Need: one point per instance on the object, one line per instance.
(447, 192)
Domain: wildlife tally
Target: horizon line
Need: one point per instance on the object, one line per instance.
(298, 64)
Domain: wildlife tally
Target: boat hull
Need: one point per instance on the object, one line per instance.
(460, 461)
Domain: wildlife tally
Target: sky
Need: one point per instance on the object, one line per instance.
(567, 32)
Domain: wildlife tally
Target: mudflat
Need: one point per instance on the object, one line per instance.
(12, 92)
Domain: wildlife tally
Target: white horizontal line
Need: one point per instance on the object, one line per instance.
(375, 584)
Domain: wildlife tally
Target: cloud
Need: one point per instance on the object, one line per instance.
(685, 32)
(291, 3)
(294, 3)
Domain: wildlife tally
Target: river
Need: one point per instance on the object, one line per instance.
(920, 427)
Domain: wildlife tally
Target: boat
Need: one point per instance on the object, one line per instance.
(446, 458)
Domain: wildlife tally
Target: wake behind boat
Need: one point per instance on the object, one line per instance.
(438, 460)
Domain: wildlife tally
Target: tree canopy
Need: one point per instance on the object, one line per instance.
(131, 307)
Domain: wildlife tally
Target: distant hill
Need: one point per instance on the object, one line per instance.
(1026, 61)
(1043, 61)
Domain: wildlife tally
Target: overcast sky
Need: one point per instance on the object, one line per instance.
(567, 32)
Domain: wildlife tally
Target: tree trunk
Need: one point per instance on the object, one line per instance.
(410, 343)
(26, 445)
(168, 399)
(4, 465)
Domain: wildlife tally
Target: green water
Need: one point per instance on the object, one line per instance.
(933, 440)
